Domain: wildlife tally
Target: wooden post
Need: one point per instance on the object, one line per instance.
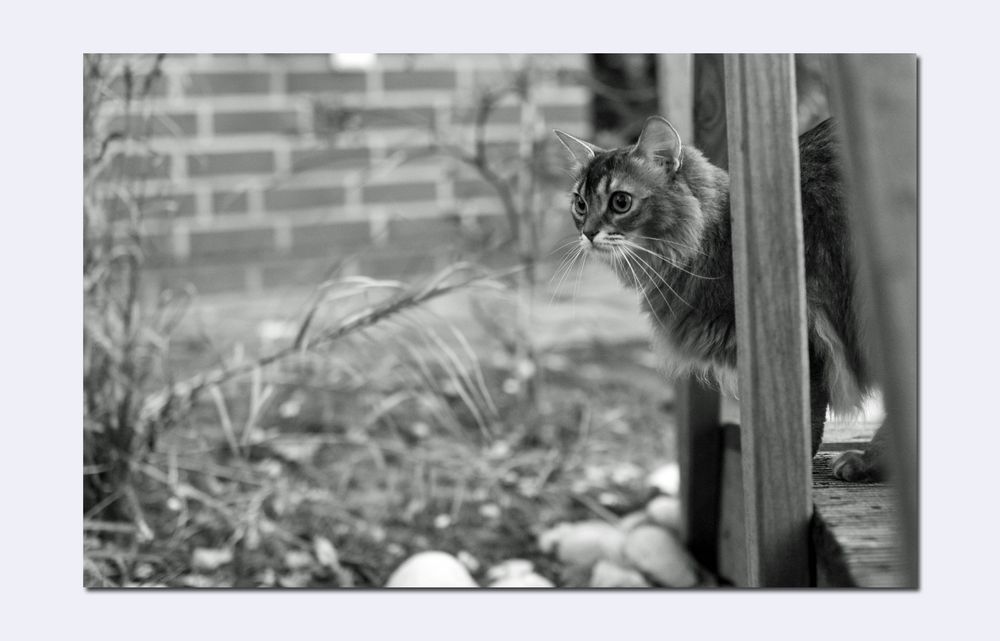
(771, 317)
(699, 439)
(875, 99)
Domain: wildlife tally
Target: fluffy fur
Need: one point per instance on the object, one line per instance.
(672, 244)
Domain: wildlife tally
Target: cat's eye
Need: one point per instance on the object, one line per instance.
(620, 202)
(579, 206)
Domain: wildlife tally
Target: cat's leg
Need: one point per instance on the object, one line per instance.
(868, 466)
(819, 398)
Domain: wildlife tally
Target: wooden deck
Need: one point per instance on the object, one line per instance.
(856, 539)
(856, 532)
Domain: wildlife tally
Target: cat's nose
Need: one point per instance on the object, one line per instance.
(590, 235)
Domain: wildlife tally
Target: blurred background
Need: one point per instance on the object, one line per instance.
(333, 317)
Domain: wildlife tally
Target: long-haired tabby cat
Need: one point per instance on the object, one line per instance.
(657, 212)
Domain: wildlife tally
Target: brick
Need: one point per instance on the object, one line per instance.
(158, 249)
(249, 122)
(330, 158)
(160, 124)
(228, 163)
(152, 208)
(323, 82)
(399, 192)
(473, 188)
(424, 231)
(420, 80)
(396, 264)
(209, 83)
(330, 239)
(229, 202)
(567, 113)
(389, 118)
(157, 87)
(231, 245)
(499, 115)
(206, 279)
(298, 273)
(286, 198)
(134, 166)
(301, 60)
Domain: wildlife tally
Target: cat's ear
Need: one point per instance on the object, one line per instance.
(582, 152)
(659, 139)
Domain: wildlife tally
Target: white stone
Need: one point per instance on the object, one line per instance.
(510, 569)
(583, 543)
(665, 511)
(666, 479)
(431, 570)
(611, 575)
(632, 520)
(530, 580)
(659, 554)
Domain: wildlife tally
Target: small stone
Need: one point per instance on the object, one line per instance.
(489, 511)
(431, 570)
(665, 511)
(659, 554)
(511, 568)
(442, 521)
(666, 479)
(470, 562)
(298, 560)
(632, 520)
(210, 559)
(583, 543)
(530, 580)
(611, 575)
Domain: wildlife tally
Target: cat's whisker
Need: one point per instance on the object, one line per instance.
(673, 242)
(568, 243)
(652, 278)
(667, 260)
(579, 278)
(566, 260)
(574, 256)
(642, 290)
(662, 279)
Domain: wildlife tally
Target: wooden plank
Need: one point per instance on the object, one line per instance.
(771, 316)
(699, 456)
(732, 566)
(856, 532)
(710, 108)
(699, 441)
(875, 98)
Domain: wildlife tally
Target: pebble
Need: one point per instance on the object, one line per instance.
(611, 575)
(659, 554)
(431, 570)
(665, 511)
(511, 568)
(583, 543)
(530, 580)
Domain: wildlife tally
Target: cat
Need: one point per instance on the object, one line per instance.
(657, 212)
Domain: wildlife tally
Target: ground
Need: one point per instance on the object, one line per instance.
(345, 459)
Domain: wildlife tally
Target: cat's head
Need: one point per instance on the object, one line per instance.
(634, 200)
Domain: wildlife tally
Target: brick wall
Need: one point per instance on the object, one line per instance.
(268, 168)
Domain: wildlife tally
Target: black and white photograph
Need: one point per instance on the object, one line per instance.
(538, 321)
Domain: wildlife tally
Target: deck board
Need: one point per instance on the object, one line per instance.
(855, 531)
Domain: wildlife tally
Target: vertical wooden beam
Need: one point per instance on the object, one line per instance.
(771, 317)
(699, 440)
(875, 99)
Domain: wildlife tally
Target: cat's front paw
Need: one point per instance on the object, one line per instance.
(855, 466)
